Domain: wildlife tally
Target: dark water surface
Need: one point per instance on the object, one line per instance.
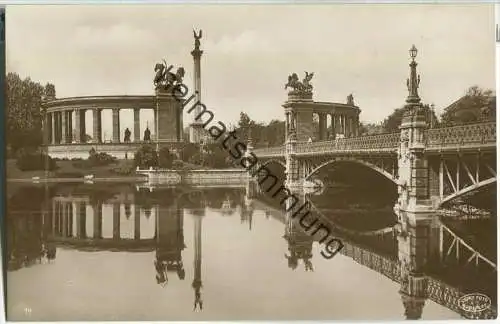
(117, 252)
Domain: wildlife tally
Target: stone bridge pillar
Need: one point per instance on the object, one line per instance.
(413, 182)
(418, 224)
(294, 171)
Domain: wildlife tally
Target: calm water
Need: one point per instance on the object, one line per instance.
(117, 252)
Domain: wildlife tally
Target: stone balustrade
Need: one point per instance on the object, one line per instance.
(462, 137)
(270, 151)
(381, 143)
(470, 136)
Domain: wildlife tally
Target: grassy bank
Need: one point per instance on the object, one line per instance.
(75, 169)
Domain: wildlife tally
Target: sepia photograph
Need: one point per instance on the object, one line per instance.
(209, 162)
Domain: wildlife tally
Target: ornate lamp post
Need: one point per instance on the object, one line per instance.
(432, 115)
(414, 81)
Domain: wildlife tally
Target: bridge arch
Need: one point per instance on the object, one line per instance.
(267, 162)
(468, 189)
(372, 166)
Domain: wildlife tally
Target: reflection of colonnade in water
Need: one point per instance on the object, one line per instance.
(74, 217)
(82, 225)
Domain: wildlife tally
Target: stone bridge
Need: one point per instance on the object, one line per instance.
(430, 167)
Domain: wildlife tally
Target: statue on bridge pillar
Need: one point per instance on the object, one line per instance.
(127, 135)
(147, 135)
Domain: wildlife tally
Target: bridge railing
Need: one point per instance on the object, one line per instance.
(379, 143)
(270, 151)
(462, 135)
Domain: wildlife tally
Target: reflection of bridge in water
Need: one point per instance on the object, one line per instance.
(387, 251)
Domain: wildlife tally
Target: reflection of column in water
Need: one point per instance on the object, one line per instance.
(137, 222)
(82, 219)
(127, 210)
(126, 223)
(107, 221)
(65, 214)
(416, 251)
(197, 283)
(54, 216)
(97, 211)
(116, 220)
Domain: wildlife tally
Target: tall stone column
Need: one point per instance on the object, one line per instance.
(196, 127)
(64, 127)
(97, 126)
(116, 125)
(137, 125)
(77, 131)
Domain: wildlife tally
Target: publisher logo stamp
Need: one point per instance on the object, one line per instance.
(474, 303)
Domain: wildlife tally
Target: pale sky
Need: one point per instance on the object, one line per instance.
(249, 51)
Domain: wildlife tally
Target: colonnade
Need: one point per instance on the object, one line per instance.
(344, 124)
(62, 131)
(341, 124)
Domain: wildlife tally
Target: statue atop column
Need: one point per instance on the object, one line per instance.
(166, 80)
(127, 135)
(147, 135)
(197, 38)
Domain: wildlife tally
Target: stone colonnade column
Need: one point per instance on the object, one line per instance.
(78, 132)
(323, 129)
(97, 126)
(116, 125)
(54, 127)
(69, 126)
(137, 125)
(64, 127)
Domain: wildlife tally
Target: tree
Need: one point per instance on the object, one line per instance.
(188, 151)
(370, 128)
(165, 158)
(146, 157)
(393, 121)
(477, 104)
(24, 112)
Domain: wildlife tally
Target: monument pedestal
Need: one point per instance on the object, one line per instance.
(169, 114)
